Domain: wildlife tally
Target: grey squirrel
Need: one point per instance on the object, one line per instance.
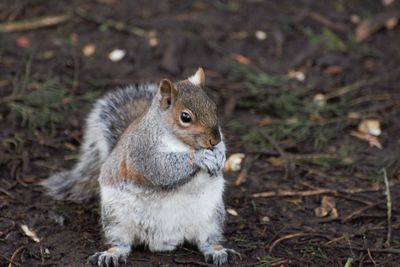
(155, 153)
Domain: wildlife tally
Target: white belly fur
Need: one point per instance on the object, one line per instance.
(163, 222)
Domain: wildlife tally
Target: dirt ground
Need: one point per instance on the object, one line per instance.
(292, 79)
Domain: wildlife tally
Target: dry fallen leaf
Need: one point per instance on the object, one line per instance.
(30, 179)
(334, 213)
(297, 75)
(321, 212)
(89, 50)
(29, 233)
(234, 162)
(353, 115)
(70, 146)
(241, 59)
(320, 100)
(277, 162)
(391, 23)
(232, 212)
(334, 69)
(372, 140)
(370, 26)
(328, 206)
(316, 117)
(370, 126)
(265, 122)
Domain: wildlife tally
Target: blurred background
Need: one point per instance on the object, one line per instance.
(309, 97)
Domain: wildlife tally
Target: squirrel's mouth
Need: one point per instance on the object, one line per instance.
(198, 147)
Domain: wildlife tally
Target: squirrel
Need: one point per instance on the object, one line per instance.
(155, 155)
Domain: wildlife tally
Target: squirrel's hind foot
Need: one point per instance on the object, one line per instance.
(111, 257)
(219, 255)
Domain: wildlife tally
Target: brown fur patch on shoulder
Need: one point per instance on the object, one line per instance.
(129, 174)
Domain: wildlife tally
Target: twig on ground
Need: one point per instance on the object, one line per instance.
(278, 263)
(346, 193)
(360, 83)
(288, 164)
(16, 11)
(11, 260)
(376, 250)
(350, 246)
(348, 190)
(2, 190)
(116, 25)
(230, 106)
(76, 65)
(290, 236)
(348, 262)
(6, 231)
(289, 193)
(359, 211)
(370, 256)
(327, 22)
(389, 208)
(367, 27)
(335, 240)
(307, 54)
(33, 24)
(199, 263)
(242, 177)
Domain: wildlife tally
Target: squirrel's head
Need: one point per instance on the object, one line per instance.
(190, 113)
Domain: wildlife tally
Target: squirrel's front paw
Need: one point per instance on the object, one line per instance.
(111, 257)
(220, 156)
(207, 160)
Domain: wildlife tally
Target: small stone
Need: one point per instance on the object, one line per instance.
(261, 35)
(232, 212)
(117, 55)
(265, 219)
(355, 19)
(320, 100)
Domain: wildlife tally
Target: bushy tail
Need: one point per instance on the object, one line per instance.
(79, 184)
(105, 124)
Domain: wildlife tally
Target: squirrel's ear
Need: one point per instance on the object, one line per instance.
(199, 78)
(167, 93)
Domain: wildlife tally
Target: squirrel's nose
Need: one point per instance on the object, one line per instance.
(214, 141)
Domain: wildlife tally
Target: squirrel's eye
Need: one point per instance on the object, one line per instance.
(185, 117)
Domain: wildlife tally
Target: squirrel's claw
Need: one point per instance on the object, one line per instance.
(221, 256)
(107, 258)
